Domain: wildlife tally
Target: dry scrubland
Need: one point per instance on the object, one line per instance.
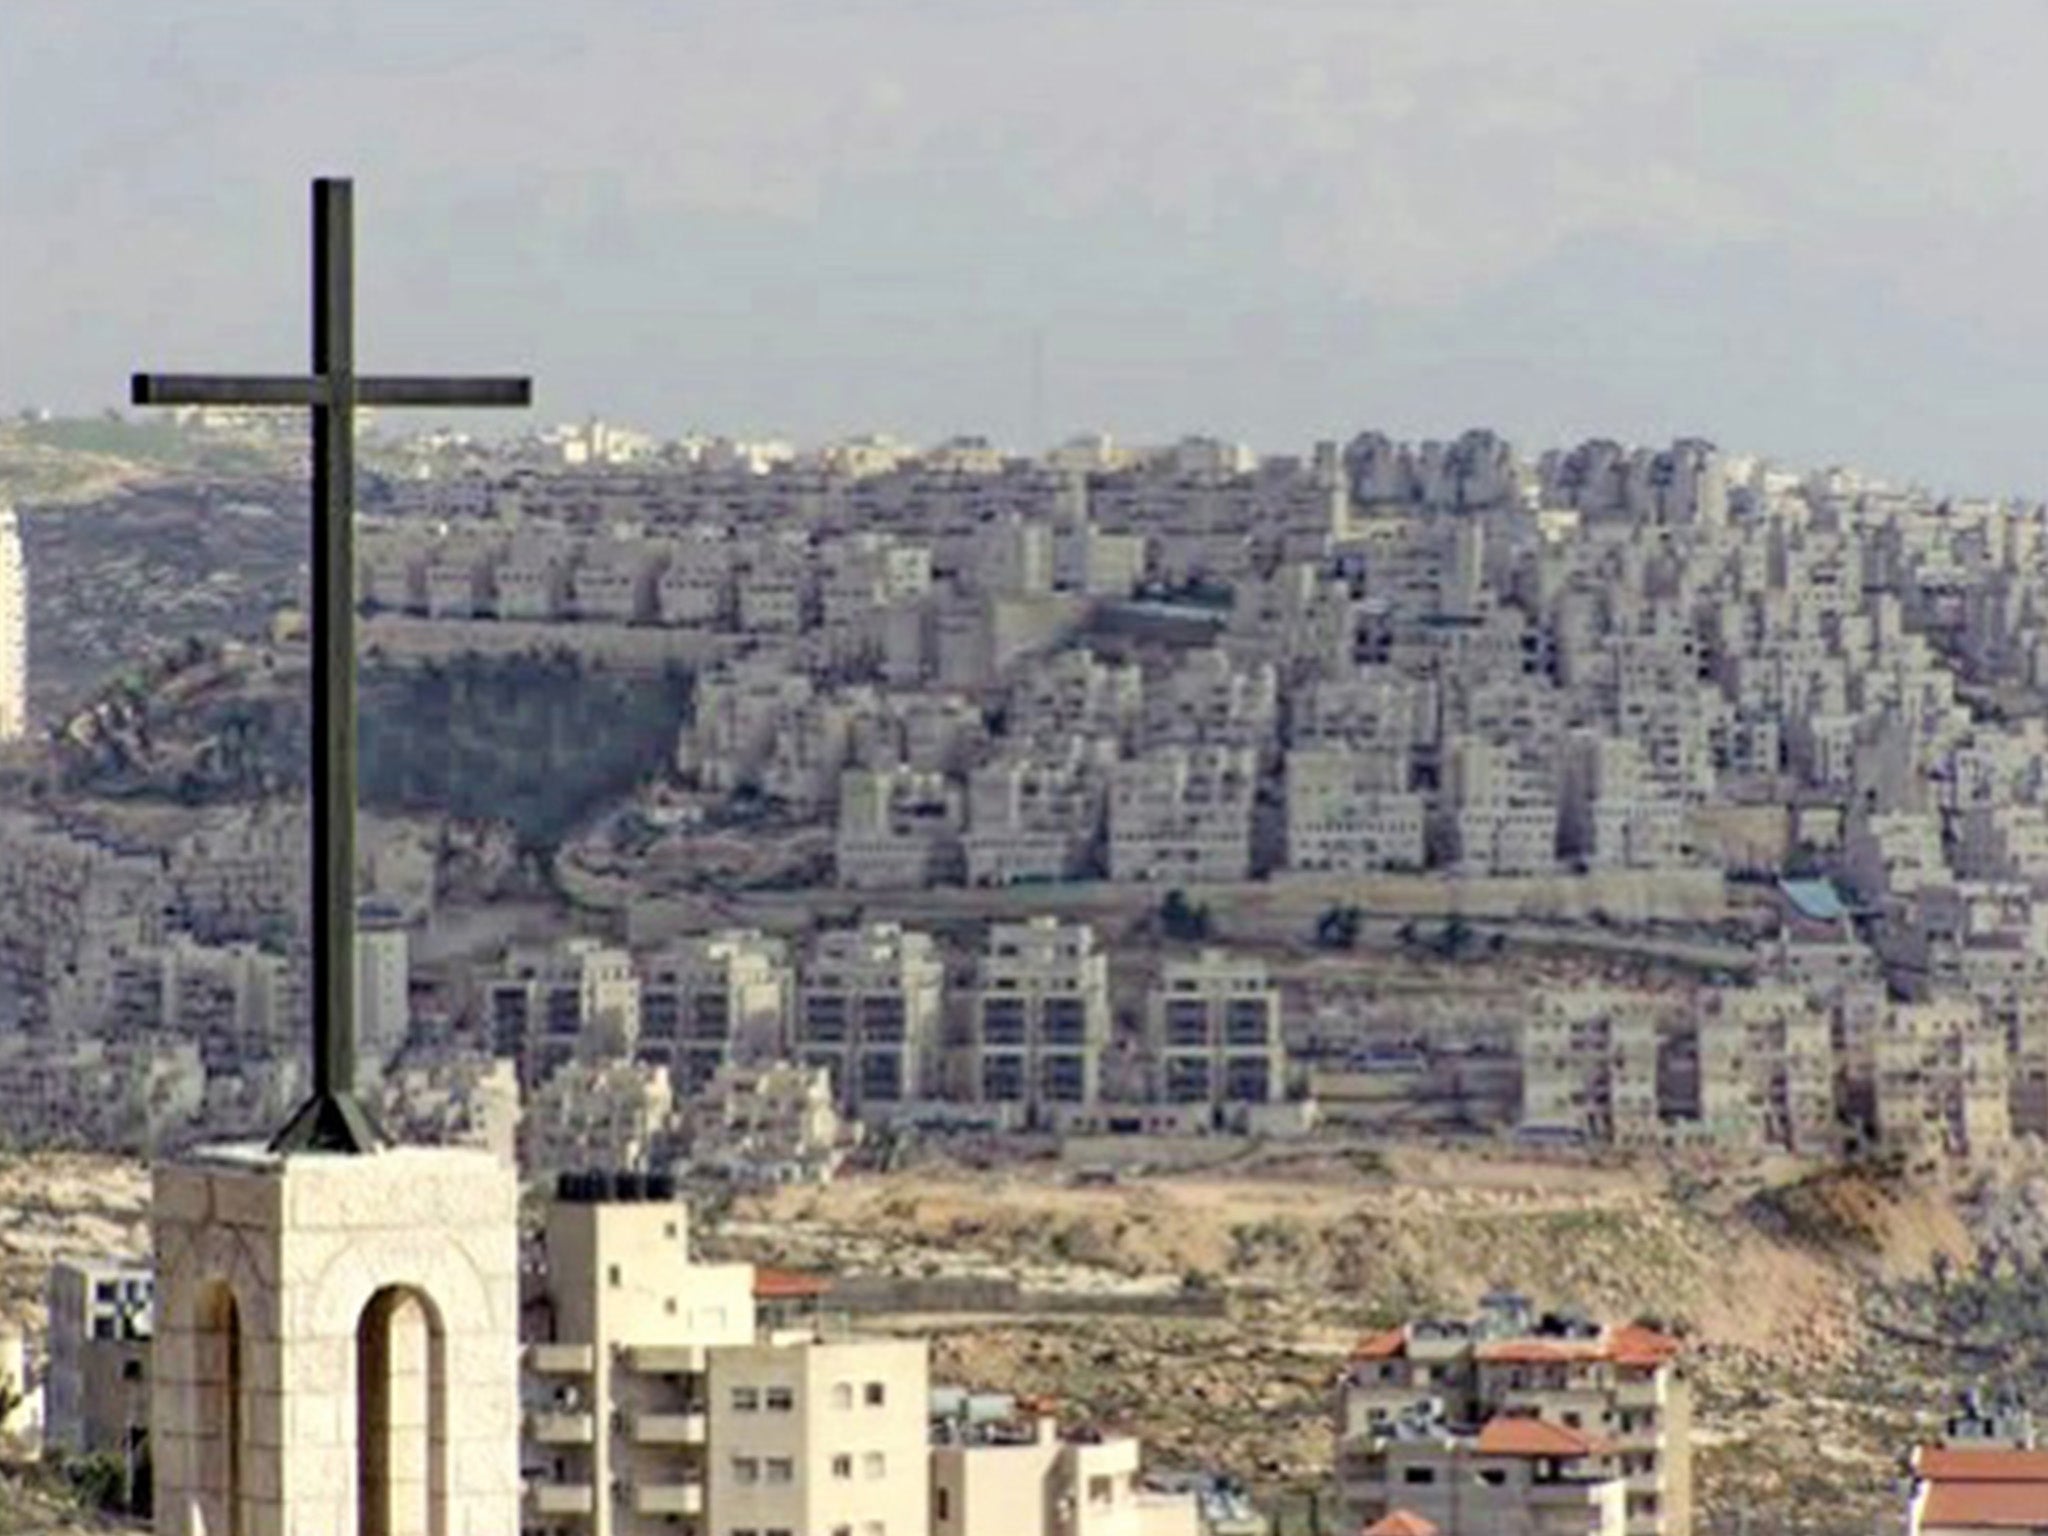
(1804, 1403)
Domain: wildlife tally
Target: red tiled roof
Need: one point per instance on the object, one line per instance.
(1541, 1351)
(2019, 1506)
(1633, 1344)
(1986, 1464)
(1390, 1345)
(787, 1285)
(1400, 1522)
(1511, 1435)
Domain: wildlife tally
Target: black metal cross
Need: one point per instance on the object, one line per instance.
(332, 1120)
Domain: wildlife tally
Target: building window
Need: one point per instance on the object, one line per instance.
(131, 1370)
(942, 1503)
(741, 1530)
(842, 1466)
(668, 1229)
(745, 1400)
(874, 1464)
(746, 1471)
(842, 1530)
(875, 1396)
(874, 1528)
(1101, 1490)
(1418, 1475)
(842, 1394)
(1493, 1477)
(668, 1305)
(781, 1470)
(781, 1400)
(612, 1276)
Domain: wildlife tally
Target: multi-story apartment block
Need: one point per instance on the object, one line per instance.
(1343, 815)
(741, 711)
(1497, 816)
(1077, 694)
(1209, 700)
(1589, 1067)
(598, 1114)
(69, 903)
(1941, 1080)
(869, 1005)
(768, 1123)
(818, 1433)
(138, 1093)
(1038, 818)
(101, 1318)
(714, 999)
(617, 1433)
(1621, 1390)
(1183, 814)
(1613, 813)
(1039, 1016)
(1767, 1070)
(547, 1002)
(1213, 1032)
(899, 829)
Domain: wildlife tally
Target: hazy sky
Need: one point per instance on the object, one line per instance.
(1813, 229)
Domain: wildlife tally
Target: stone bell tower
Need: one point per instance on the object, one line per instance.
(337, 1322)
(337, 1344)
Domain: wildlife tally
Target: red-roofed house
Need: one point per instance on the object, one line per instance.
(1622, 1385)
(1401, 1522)
(1978, 1491)
(1515, 1475)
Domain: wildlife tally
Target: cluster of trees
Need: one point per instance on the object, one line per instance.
(539, 742)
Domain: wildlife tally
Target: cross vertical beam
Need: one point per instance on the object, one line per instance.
(332, 1120)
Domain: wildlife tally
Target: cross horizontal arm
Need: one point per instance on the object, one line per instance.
(386, 390)
(286, 390)
(223, 389)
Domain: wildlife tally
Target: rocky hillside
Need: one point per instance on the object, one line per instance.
(1803, 1405)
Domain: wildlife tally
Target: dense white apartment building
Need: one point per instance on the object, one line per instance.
(1038, 818)
(1038, 1017)
(547, 1003)
(899, 829)
(713, 999)
(1589, 1066)
(1345, 816)
(1213, 1028)
(1183, 814)
(870, 1002)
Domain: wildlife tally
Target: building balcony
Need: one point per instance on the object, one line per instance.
(668, 1429)
(560, 1359)
(666, 1359)
(560, 1499)
(561, 1428)
(668, 1499)
(1642, 1394)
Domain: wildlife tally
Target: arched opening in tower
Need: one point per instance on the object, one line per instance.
(401, 1416)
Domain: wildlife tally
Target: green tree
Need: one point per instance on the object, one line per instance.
(1339, 927)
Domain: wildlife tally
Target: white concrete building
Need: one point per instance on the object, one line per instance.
(1038, 1017)
(1183, 815)
(869, 1006)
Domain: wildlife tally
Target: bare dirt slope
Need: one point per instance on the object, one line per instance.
(1802, 1411)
